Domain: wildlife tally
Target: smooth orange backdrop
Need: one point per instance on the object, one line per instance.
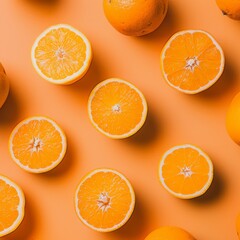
(174, 118)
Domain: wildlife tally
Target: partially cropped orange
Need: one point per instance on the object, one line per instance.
(238, 225)
(233, 119)
(104, 200)
(135, 17)
(61, 54)
(185, 171)
(37, 144)
(4, 86)
(117, 108)
(169, 233)
(231, 8)
(12, 206)
(192, 61)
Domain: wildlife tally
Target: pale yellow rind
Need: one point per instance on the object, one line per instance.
(144, 113)
(131, 207)
(55, 163)
(193, 195)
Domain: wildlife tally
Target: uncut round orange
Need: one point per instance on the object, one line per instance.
(37, 144)
(61, 54)
(169, 233)
(104, 200)
(135, 17)
(185, 171)
(117, 108)
(231, 8)
(192, 61)
(12, 206)
(4, 86)
(233, 119)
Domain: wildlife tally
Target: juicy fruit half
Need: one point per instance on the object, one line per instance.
(231, 8)
(192, 61)
(135, 17)
(104, 200)
(233, 119)
(12, 206)
(169, 233)
(117, 108)
(37, 144)
(185, 171)
(4, 86)
(61, 54)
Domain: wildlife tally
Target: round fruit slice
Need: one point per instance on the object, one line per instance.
(12, 204)
(117, 108)
(185, 171)
(37, 144)
(104, 200)
(61, 54)
(192, 61)
(169, 233)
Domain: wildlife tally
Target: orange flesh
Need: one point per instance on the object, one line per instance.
(197, 47)
(112, 211)
(194, 165)
(9, 202)
(116, 108)
(47, 140)
(60, 53)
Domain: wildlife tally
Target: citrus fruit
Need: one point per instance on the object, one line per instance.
(238, 225)
(61, 54)
(12, 205)
(231, 8)
(192, 61)
(104, 200)
(135, 17)
(169, 233)
(117, 108)
(4, 86)
(37, 144)
(233, 119)
(185, 171)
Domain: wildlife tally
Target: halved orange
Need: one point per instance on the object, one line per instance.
(186, 171)
(104, 200)
(117, 108)
(61, 54)
(192, 61)
(12, 206)
(37, 144)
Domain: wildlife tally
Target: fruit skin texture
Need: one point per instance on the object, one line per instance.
(169, 233)
(4, 86)
(231, 8)
(233, 119)
(135, 17)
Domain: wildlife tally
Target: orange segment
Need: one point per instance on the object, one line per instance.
(104, 200)
(117, 108)
(12, 203)
(192, 61)
(37, 144)
(61, 54)
(185, 171)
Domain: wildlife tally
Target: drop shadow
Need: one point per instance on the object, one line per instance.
(27, 226)
(226, 82)
(131, 228)
(148, 133)
(215, 191)
(10, 109)
(43, 3)
(66, 164)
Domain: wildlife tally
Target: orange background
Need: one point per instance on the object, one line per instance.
(174, 118)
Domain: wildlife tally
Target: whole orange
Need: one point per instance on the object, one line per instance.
(4, 86)
(135, 17)
(169, 233)
(233, 119)
(231, 8)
